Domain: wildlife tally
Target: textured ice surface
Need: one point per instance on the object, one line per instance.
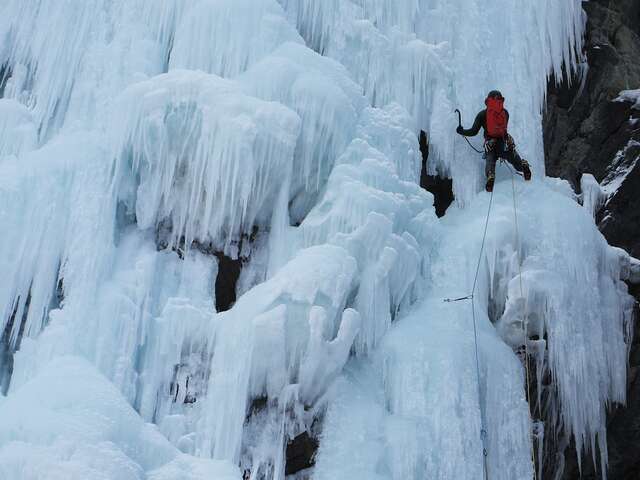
(424, 414)
(226, 37)
(197, 154)
(50, 203)
(431, 57)
(328, 103)
(593, 195)
(80, 426)
(17, 129)
(140, 140)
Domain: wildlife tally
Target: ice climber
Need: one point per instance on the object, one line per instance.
(497, 142)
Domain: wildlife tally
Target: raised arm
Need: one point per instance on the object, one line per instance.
(477, 124)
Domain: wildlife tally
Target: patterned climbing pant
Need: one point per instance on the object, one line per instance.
(496, 148)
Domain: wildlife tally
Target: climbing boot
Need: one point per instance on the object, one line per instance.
(490, 180)
(526, 170)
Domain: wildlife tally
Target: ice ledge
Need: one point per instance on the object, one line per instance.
(629, 266)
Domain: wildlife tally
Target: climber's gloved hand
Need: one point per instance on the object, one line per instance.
(459, 130)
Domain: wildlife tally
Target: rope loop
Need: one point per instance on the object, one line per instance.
(471, 145)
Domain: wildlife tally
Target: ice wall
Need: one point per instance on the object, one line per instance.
(202, 156)
(17, 130)
(141, 140)
(433, 57)
(226, 37)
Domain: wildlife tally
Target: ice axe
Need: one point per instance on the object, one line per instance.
(459, 117)
(460, 124)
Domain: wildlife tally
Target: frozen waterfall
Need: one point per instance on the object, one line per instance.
(142, 141)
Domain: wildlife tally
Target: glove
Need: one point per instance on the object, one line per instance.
(459, 130)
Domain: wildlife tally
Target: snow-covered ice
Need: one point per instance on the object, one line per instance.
(79, 426)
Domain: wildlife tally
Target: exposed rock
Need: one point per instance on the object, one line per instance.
(589, 130)
(586, 126)
(226, 281)
(229, 267)
(5, 74)
(441, 188)
(619, 220)
(301, 453)
(8, 348)
(582, 125)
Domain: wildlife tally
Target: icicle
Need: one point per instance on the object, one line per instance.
(593, 196)
(226, 37)
(280, 237)
(328, 103)
(208, 158)
(262, 344)
(17, 130)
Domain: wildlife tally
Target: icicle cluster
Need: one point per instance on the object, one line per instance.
(202, 156)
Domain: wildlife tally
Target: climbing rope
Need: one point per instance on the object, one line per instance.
(483, 432)
(471, 145)
(460, 124)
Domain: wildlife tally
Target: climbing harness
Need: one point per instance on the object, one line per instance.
(471, 296)
(481, 152)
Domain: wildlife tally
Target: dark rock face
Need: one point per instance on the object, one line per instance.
(5, 73)
(6, 354)
(226, 281)
(301, 453)
(588, 131)
(619, 220)
(229, 267)
(441, 188)
(585, 127)
(624, 426)
(7, 348)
